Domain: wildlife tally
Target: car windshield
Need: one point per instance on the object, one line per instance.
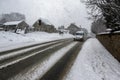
(79, 33)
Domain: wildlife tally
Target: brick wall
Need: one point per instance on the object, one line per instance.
(111, 43)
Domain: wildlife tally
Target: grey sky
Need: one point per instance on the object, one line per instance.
(58, 12)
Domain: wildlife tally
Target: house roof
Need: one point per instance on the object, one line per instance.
(12, 23)
(73, 25)
(46, 21)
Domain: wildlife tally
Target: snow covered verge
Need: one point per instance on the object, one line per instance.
(94, 62)
(9, 40)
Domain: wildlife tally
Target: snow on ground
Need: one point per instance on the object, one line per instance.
(94, 62)
(9, 40)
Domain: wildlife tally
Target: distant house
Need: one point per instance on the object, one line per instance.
(1, 27)
(15, 26)
(62, 29)
(30, 29)
(44, 25)
(73, 28)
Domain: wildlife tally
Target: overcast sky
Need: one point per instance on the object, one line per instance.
(58, 12)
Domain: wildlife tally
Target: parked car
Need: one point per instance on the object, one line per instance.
(79, 36)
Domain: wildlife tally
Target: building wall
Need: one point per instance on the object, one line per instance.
(10, 28)
(1, 29)
(73, 29)
(111, 43)
(44, 27)
(23, 25)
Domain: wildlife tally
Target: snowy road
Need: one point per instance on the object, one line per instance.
(60, 60)
(22, 63)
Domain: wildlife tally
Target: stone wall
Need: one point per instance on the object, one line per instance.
(112, 43)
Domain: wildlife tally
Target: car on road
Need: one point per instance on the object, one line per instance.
(79, 36)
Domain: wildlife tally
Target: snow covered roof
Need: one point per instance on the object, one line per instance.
(45, 21)
(80, 32)
(12, 23)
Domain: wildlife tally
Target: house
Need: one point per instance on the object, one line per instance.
(73, 28)
(44, 25)
(30, 29)
(1, 27)
(62, 30)
(15, 26)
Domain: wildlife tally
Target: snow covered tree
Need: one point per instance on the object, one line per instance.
(11, 17)
(98, 26)
(108, 9)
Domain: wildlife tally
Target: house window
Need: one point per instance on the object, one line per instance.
(39, 22)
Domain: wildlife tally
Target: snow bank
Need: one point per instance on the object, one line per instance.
(94, 62)
(9, 40)
(43, 36)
